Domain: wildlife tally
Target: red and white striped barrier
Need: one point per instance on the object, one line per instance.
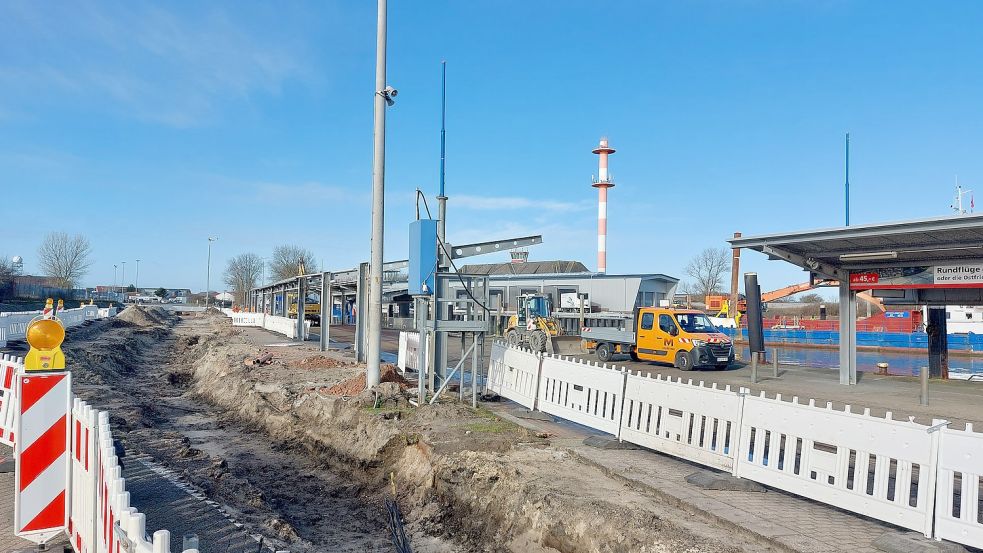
(41, 449)
(8, 405)
(83, 515)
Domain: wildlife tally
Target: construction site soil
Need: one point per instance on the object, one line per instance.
(299, 452)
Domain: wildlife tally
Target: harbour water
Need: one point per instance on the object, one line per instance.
(905, 364)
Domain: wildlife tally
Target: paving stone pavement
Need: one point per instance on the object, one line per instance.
(788, 521)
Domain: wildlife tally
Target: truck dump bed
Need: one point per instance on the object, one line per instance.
(608, 334)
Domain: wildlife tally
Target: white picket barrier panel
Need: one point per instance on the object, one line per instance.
(694, 422)
(285, 326)
(407, 356)
(16, 324)
(513, 374)
(581, 392)
(71, 317)
(247, 319)
(878, 467)
(119, 527)
(958, 510)
(91, 312)
(82, 520)
(9, 367)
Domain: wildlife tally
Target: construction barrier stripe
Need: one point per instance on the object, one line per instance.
(42, 454)
(53, 515)
(40, 388)
(40, 413)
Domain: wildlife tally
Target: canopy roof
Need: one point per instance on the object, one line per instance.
(833, 251)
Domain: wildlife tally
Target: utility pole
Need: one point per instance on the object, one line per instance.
(847, 179)
(137, 284)
(208, 270)
(440, 345)
(383, 96)
(735, 276)
(441, 198)
(115, 274)
(122, 280)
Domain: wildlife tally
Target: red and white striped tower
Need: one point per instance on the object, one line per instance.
(602, 183)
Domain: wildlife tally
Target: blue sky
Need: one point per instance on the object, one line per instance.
(148, 127)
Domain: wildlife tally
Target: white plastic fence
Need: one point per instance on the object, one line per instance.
(879, 467)
(13, 325)
(514, 373)
(8, 370)
(100, 518)
(408, 355)
(285, 326)
(694, 422)
(925, 478)
(247, 319)
(958, 509)
(583, 393)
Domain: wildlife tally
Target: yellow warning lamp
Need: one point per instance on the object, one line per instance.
(49, 305)
(45, 337)
(61, 306)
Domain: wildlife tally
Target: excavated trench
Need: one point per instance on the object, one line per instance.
(309, 470)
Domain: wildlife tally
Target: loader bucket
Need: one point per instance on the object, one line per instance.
(567, 345)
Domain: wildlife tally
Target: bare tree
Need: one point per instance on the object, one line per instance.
(707, 270)
(65, 258)
(242, 274)
(287, 259)
(6, 277)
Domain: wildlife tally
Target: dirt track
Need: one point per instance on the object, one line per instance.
(309, 470)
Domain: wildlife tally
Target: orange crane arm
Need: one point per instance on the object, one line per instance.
(796, 288)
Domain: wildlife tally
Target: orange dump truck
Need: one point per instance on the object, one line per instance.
(684, 337)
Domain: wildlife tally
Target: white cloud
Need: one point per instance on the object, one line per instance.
(517, 202)
(141, 60)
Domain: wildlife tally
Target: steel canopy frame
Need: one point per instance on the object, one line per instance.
(922, 242)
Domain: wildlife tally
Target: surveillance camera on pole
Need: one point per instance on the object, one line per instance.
(389, 93)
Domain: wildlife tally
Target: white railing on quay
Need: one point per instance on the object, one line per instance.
(924, 478)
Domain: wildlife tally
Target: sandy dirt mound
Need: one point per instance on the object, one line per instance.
(147, 316)
(356, 385)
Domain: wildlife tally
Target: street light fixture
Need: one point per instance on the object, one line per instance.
(208, 270)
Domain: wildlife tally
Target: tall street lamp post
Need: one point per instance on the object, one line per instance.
(208, 270)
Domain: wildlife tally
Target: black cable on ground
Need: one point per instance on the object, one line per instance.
(397, 532)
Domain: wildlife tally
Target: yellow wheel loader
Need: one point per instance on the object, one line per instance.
(534, 326)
